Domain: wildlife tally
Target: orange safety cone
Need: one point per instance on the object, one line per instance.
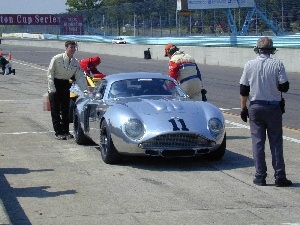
(9, 56)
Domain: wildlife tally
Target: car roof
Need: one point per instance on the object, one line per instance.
(135, 75)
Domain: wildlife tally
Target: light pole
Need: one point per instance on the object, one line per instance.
(282, 27)
(134, 24)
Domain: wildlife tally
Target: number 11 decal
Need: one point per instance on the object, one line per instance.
(182, 123)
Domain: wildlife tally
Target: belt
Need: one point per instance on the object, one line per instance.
(61, 79)
(261, 102)
(189, 78)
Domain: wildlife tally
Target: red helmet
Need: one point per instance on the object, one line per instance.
(96, 60)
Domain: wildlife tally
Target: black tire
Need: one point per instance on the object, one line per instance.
(71, 110)
(218, 153)
(79, 136)
(109, 153)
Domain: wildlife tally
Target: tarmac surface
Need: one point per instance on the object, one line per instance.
(47, 181)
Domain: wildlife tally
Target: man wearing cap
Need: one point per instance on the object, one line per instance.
(182, 67)
(261, 82)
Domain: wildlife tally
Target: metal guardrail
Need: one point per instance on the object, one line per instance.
(289, 41)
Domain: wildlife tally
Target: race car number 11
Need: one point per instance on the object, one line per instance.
(175, 126)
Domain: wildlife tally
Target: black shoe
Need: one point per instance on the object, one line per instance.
(60, 137)
(69, 136)
(283, 182)
(260, 181)
(13, 71)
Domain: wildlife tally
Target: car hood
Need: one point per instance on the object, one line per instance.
(163, 114)
(162, 105)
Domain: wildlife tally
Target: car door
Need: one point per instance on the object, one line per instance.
(94, 116)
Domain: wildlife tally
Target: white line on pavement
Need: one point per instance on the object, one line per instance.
(237, 125)
(16, 133)
(26, 64)
(20, 100)
(222, 109)
(248, 127)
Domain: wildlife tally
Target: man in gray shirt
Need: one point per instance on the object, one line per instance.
(262, 81)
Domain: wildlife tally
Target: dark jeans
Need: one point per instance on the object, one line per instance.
(267, 119)
(59, 102)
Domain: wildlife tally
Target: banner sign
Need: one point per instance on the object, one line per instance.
(219, 4)
(72, 24)
(213, 4)
(29, 19)
(69, 23)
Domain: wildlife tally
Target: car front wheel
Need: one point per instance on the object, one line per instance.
(109, 153)
(218, 153)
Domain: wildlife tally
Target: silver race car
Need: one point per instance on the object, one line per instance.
(145, 113)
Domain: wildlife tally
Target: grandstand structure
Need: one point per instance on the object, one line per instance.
(184, 6)
(249, 17)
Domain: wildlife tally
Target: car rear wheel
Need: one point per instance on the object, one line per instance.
(218, 153)
(109, 153)
(79, 136)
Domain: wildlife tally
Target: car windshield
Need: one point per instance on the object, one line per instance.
(141, 87)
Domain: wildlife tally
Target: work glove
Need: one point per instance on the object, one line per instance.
(244, 114)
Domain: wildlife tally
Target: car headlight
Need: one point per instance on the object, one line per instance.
(216, 127)
(134, 128)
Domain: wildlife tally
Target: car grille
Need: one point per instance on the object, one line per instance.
(177, 141)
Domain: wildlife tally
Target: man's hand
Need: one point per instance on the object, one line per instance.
(244, 114)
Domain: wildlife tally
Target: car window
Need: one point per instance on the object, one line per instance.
(141, 87)
(119, 89)
(100, 89)
(154, 87)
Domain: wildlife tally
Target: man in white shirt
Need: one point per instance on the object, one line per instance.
(262, 81)
(62, 67)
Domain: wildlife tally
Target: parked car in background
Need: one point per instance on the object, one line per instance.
(144, 113)
(118, 41)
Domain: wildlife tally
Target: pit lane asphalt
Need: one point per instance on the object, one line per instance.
(46, 181)
(222, 83)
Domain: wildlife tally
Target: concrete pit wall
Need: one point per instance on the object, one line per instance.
(215, 56)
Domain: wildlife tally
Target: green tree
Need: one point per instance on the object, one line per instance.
(77, 5)
(118, 2)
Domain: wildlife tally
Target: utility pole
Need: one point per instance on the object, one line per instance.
(282, 27)
(134, 24)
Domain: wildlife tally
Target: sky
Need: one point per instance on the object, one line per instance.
(32, 6)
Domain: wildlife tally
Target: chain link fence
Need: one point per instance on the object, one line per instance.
(161, 19)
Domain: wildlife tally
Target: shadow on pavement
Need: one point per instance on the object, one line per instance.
(231, 160)
(9, 194)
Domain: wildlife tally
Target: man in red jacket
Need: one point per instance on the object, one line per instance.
(183, 68)
(89, 66)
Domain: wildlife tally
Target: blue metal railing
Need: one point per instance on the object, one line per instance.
(288, 41)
